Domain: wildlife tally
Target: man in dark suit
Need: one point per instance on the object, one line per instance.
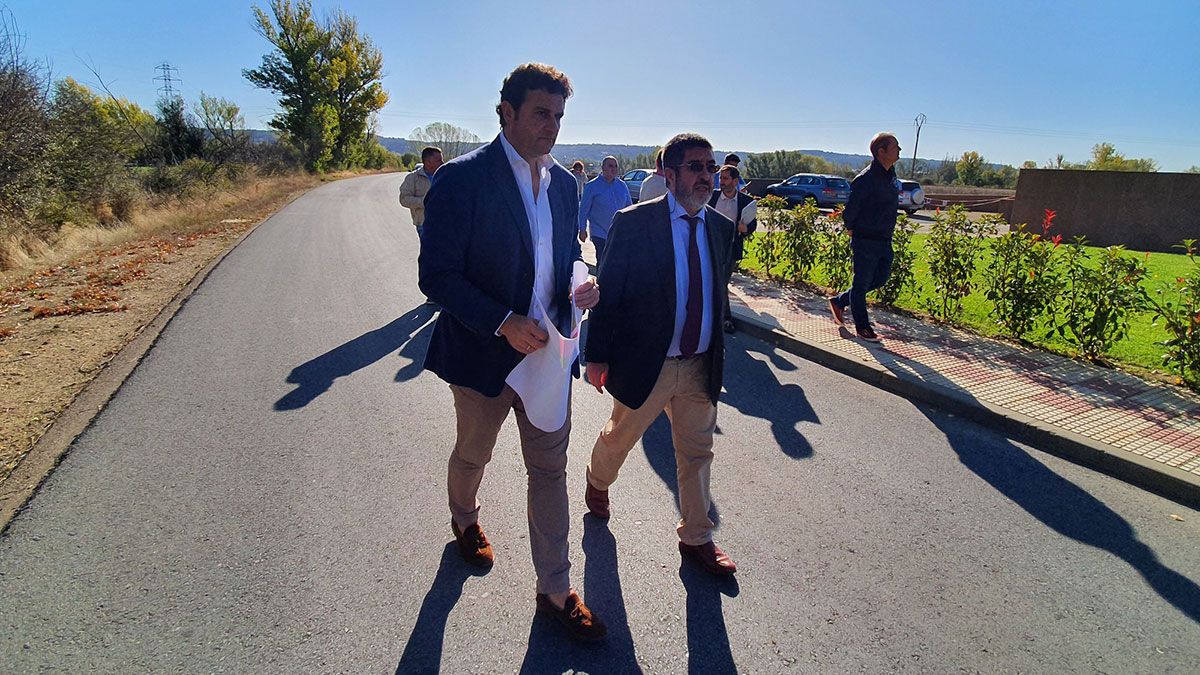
(655, 338)
(498, 249)
(740, 208)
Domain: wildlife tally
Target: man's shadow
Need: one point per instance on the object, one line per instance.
(1062, 506)
(408, 333)
(551, 650)
(423, 651)
(752, 389)
(707, 636)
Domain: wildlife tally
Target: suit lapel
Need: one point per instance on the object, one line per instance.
(501, 172)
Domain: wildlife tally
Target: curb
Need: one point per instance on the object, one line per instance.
(1120, 464)
(23, 483)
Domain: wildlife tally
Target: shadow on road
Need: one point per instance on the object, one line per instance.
(1062, 506)
(423, 650)
(752, 389)
(552, 651)
(707, 637)
(408, 333)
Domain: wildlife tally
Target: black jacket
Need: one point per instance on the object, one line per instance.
(739, 239)
(631, 328)
(871, 211)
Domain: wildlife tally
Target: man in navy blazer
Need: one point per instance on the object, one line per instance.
(498, 248)
(656, 342)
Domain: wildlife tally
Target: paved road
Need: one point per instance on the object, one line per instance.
(265, 494)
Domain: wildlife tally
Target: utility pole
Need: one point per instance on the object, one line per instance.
(918, 121)
(167, 89)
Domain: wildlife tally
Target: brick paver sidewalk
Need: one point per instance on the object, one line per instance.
(1114, 412)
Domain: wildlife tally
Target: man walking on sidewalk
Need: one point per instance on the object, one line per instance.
(416, 185)
(870, 218)
(656, 339)
(603, 196)
(499, 246)
(740, 208)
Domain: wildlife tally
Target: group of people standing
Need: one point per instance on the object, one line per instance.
(500, 233)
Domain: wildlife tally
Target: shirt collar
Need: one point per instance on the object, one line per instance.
(516, 161)
(677, 211)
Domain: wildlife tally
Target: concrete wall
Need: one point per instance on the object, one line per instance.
(1143, 211)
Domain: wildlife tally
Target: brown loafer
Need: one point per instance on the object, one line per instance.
(473, 545)
(575, 616)
(597, 502)
(836, 310)
(711, 557)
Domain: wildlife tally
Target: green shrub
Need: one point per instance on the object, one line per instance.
(952, 249)
(834, 251)
(1177, 307)
(904, 258)
(1024, 278)
(1098, 300)
(800, 242)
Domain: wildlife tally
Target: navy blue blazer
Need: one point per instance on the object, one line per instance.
(476, 263)
(631, 328)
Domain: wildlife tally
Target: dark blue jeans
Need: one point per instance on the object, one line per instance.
(872, 265)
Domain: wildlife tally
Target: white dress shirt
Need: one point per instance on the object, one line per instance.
(679, 236)
(653, 186)
(541, 226)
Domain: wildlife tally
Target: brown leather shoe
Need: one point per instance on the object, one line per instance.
(575, 616)
(597, 502)
(473, 545)
(711, 557)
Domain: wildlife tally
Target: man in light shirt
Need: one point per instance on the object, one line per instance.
(655, 185)
(416, 184)
(740, 208)
(602, 197)
(499, 248)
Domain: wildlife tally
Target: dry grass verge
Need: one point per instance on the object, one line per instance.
(68, 306)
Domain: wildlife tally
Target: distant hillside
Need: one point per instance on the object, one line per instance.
(593, 153)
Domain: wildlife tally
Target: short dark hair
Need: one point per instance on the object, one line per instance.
(577, 165)
(429, 150)
(732, 159)
(658, 163)
(678, 146)
(733, 171)
(527, 77)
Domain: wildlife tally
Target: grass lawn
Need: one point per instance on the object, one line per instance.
(1137, 349)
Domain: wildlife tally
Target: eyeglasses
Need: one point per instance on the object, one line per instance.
(696, 166)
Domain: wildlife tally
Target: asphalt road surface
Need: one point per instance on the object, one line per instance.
(266, 494)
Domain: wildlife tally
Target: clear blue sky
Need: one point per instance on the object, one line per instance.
(1014, 81)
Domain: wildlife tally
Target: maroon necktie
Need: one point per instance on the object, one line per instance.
(689, 340)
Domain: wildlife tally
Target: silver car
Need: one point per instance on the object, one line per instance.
(912, 197)
(633, 180)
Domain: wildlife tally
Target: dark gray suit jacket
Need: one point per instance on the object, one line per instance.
(631, 328)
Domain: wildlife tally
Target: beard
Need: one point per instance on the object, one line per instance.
(695, 197)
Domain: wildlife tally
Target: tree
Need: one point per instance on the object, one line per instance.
(453, 140)
(24, 124)
(970, 168)
(1194, 169)
(179, 137)
(784, 163)
(1029, 164)
(355, 67)
(327, 77)
(226, 139)
(1106, 158)
(295, 72)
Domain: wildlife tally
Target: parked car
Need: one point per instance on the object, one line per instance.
(826, 190)
(633, 180)
(912, 197)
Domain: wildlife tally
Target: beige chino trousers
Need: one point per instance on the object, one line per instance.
(479, 420)
(682, 391)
